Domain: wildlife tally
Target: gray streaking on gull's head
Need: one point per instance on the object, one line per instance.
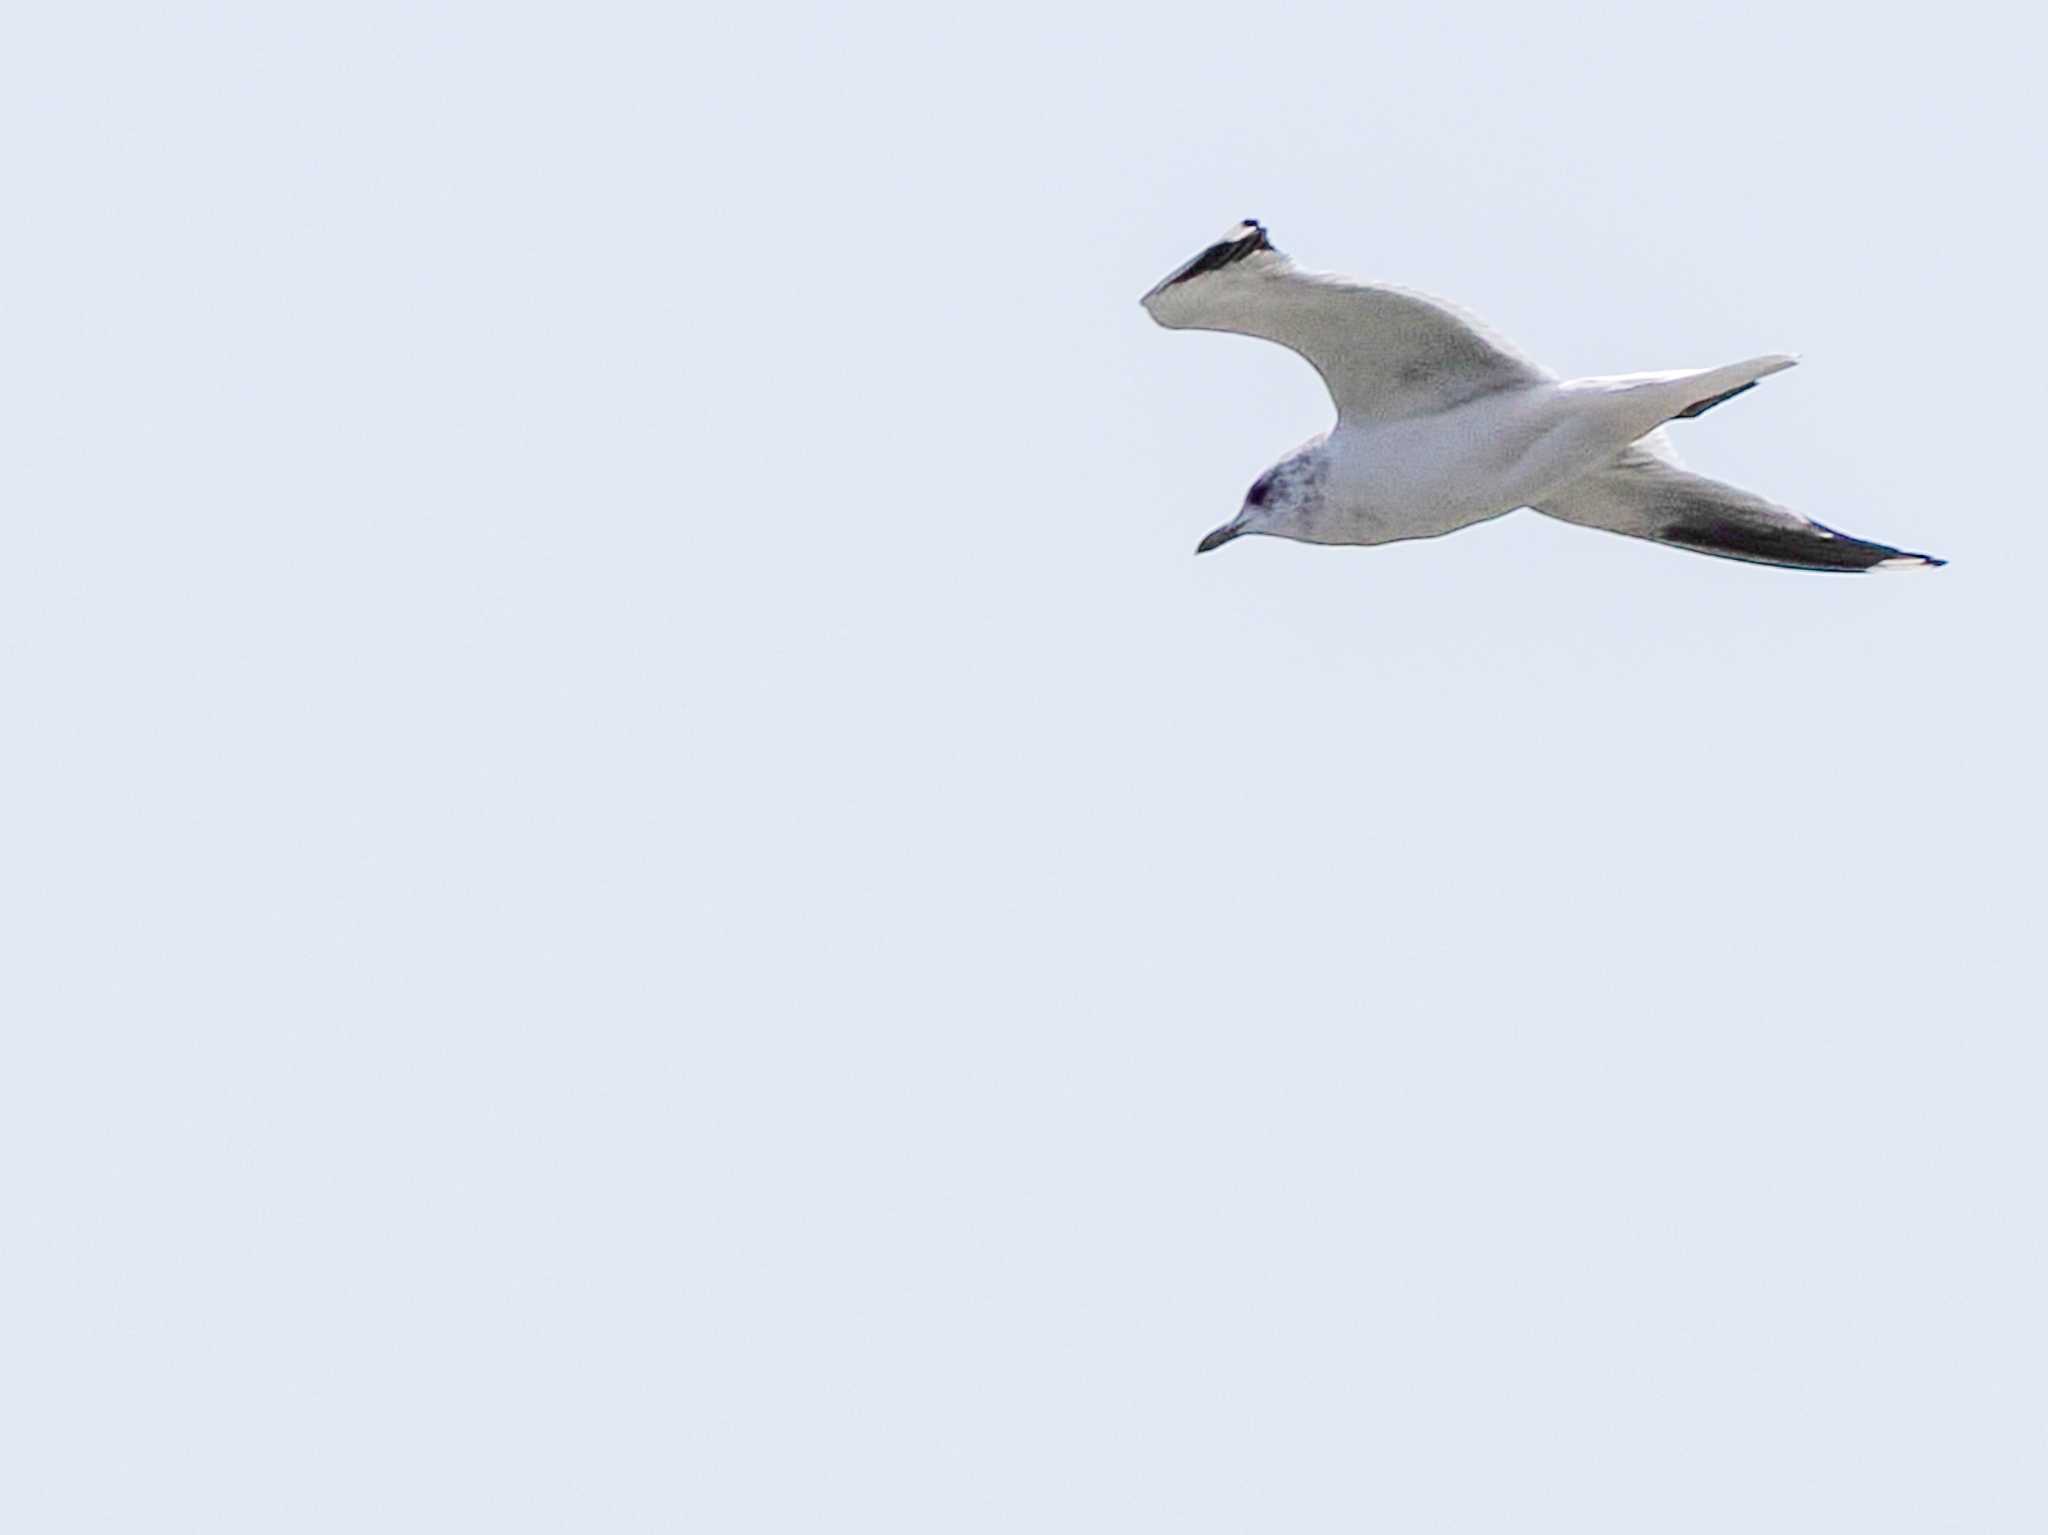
(1440, 425)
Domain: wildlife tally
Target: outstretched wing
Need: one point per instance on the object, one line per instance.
(1645, 496)
(1384, 352)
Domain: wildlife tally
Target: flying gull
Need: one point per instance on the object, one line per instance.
(1441, 425)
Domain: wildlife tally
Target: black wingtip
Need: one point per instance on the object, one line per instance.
(1233, 247)
(1907, 559)
(1812, 547)
(1701, 407)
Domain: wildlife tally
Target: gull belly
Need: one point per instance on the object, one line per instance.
(1423, 476)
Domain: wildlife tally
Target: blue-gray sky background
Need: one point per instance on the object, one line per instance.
(647, 890)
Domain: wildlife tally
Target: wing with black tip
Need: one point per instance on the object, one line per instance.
(1385, 353)
(1643, 496)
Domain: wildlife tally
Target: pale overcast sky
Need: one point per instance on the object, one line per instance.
(649, 891)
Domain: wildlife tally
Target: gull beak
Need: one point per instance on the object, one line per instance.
(1220, 537)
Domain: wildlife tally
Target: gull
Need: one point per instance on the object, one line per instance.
(1441, 424)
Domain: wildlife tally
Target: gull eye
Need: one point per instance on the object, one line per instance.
(1256, 496)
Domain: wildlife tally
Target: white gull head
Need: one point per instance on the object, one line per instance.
(1287, 501)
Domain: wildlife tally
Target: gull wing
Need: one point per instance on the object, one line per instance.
(1384, 352)
(1645, 496)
